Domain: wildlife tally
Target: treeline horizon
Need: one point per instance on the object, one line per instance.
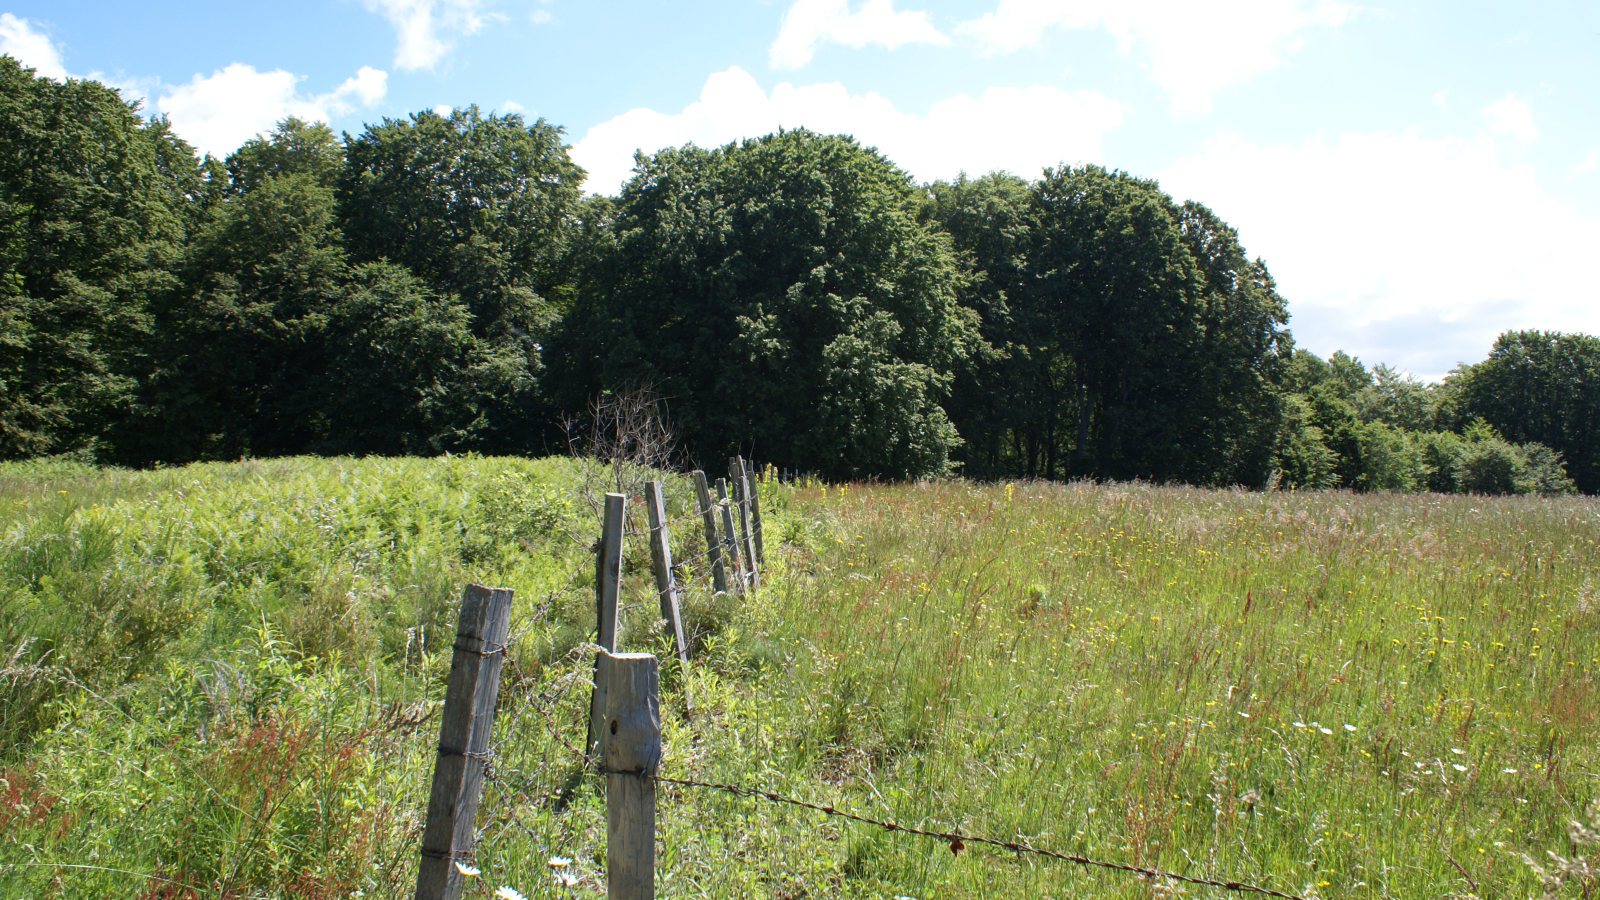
(441, 284)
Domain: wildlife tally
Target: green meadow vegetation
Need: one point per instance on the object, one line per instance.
(221, 680)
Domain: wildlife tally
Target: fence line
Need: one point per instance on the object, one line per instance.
(623, 724)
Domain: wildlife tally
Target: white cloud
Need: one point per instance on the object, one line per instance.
(811, 23)
(32, 48)
(233, 105)
(1441, 99)
(541, 16)
(1401, 248)
(1195, 47)
(512, 106)
(424, 27)
(1508, 115)
(1017, 129)
(1590, 162)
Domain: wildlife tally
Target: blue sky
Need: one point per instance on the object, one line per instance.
(1419, 176)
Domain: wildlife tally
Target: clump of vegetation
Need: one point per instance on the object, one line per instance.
(1579, 873)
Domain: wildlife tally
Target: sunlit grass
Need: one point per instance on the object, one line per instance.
(228, 678)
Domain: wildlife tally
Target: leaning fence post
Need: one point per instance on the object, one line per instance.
(607, 581)
(741, 487)
(661, 557)
(731, 537)
(719, 573)
(755, 519)
(632, 737)
(468, 720)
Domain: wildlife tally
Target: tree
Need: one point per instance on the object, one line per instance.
(479, 208)
(782, 294)
(1541, 387)
(1155, 344)
(275, 344)
(996, 403)
(94, 209)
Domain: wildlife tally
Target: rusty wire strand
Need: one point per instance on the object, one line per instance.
(957, 841)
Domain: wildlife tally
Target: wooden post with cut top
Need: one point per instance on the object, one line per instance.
(708, 514)
(607, 583)
(655, 502)
(467, 722)
(741, 487)
(730, 537)
(632, 738)
(755, 518)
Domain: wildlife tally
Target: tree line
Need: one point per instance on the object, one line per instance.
(440, 283)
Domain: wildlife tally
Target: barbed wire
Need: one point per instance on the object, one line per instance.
(957, 841)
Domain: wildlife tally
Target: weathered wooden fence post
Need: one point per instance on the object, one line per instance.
(661, 560)
(632, 738)
(731, 537)
(702, 492)
(607, 582)
(468, 720)
(755, 519)
(741, 487)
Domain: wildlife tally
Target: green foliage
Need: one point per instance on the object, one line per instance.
(476, 207)
(402, 290)
(1541, 387)
(782, 292)
(1122, 326)
(1485, 463)
(93, 211)
(275, 344)
(1302, 459)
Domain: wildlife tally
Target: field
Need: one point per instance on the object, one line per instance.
(222, 681)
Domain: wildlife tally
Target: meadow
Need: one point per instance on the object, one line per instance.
(222, 680)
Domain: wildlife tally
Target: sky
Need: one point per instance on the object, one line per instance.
(1419, 175)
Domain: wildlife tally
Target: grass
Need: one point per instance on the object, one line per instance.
(223, 682)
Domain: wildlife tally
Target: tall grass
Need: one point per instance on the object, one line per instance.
(223, 681)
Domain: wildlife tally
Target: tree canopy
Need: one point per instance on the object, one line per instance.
(438, 282)
(1121, 325)
(785, 296)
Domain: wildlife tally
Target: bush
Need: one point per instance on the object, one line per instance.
(1302, 458)
(1389, 462)
(1488, 464)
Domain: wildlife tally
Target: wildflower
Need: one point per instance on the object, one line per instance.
(509, 893)
(1299, 724)
(467, 870)
(1509, 771)
(1458, 751)
(557, 862)
(1326, 730)
(1349, 727)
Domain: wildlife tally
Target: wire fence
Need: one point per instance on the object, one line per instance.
(523, 775)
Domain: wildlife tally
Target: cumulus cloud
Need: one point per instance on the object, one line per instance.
(20, 41)
(1508, 115)
(232, 105)
(1017, 129)
(809, 24)
(426, 29)
(1195, 47)
(1401, 248)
